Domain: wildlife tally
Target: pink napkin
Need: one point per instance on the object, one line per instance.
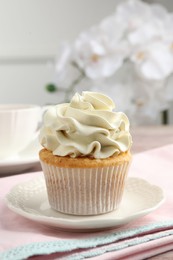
(147, 236)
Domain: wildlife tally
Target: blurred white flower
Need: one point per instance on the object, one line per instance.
(146, 33)
(129, 55)
(98, 53)
(133, 14)
(158, 12)
(168, 28)
(155, 60)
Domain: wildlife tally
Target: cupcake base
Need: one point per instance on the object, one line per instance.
(85, 190)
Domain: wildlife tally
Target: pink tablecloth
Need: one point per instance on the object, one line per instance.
(148, 236)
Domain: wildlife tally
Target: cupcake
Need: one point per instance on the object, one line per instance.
(86, 154)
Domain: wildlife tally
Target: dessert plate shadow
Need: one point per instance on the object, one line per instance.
(30, 200)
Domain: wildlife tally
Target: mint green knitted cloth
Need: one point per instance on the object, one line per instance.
(99, 244)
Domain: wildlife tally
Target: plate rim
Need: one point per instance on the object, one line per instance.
(78, 221)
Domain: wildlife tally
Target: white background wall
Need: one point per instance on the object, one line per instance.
(30, 34)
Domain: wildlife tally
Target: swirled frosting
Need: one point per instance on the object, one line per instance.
(87, 126)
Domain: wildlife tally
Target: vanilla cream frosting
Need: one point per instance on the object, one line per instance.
(87, 126)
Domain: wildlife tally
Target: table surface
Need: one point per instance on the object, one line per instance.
(150, 137)
(146, 138)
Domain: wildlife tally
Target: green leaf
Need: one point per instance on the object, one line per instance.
(51, 87)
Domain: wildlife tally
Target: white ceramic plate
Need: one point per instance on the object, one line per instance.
(29, 199)
(26, 159)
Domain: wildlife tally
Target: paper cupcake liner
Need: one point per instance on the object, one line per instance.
(85, 191)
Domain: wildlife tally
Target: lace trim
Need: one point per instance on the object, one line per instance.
(41, 248)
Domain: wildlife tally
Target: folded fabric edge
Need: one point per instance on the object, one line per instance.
(41, 248)
(136, 255)
(127, 244)
(149, 250)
